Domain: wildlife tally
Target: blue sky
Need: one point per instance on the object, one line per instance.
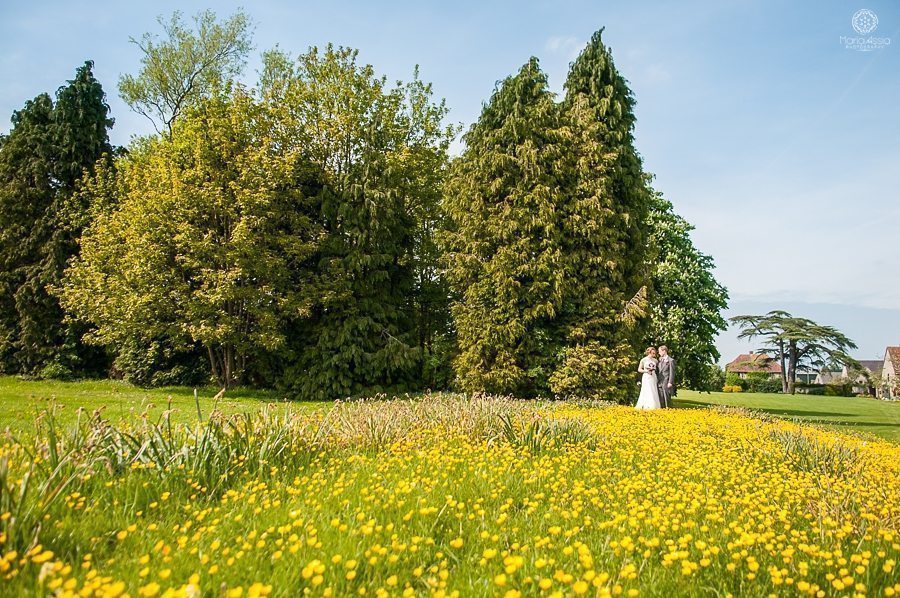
(777, 142)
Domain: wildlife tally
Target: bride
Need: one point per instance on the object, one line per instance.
(649, 398)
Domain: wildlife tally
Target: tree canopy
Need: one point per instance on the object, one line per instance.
(207, 242)
(185, 65)
(381, 151)
(42, 160)
(798, 343)
(311, 232)
(605, 232)
(686, 300)
(282, 229)
(546, 240)
(503, 247)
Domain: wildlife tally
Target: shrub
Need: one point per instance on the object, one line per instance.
(594, 371)
(761, 382)
(55, 371)
(713, 379)
(158, 363)
(771, 386)
(839, 389)
(732, 379)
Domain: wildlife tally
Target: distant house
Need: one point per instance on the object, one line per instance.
(879, 378)
(866, 382)
(808, 376)
(751, 363)
(830, 376)
(889, 383)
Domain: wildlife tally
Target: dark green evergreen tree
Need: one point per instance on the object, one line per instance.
(503, 245)
(41, 163)
(381, 151)
(81, 126)
(429, 300)
(605, 231)
(25, 188)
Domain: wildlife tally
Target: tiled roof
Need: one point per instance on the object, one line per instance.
(894, 354)
(873, 365)
(747, 363)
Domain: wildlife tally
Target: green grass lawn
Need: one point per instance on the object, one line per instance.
(21, 401)
(872, 416)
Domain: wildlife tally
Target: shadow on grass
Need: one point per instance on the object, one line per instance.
(812, 416)
(786, 412)
(860, 424)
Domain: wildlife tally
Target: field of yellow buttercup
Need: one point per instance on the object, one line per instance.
(449, 495)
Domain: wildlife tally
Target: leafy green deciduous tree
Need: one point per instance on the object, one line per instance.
(42, 162)
(209, 240)
(686, 300)
(430, 296)
(149, 357)
(185, 66)
(503, 245)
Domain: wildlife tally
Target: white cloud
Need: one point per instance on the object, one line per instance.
(565, 45)
(656, 74)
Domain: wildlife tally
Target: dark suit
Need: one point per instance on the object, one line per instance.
(665, 375)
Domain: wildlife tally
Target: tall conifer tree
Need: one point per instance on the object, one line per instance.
(503, 246)
(605, 229)
(25, 190)
(41, 164)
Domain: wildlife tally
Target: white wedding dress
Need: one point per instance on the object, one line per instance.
(649, 398)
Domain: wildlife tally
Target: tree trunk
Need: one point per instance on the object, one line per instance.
(784, 383)
(229, 365)
(792, 367)
(213, 364)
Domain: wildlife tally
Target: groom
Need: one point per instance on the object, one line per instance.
(665, 377)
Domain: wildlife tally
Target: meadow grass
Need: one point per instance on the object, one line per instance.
(21, 401)
(448, 495)
(866, 415)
